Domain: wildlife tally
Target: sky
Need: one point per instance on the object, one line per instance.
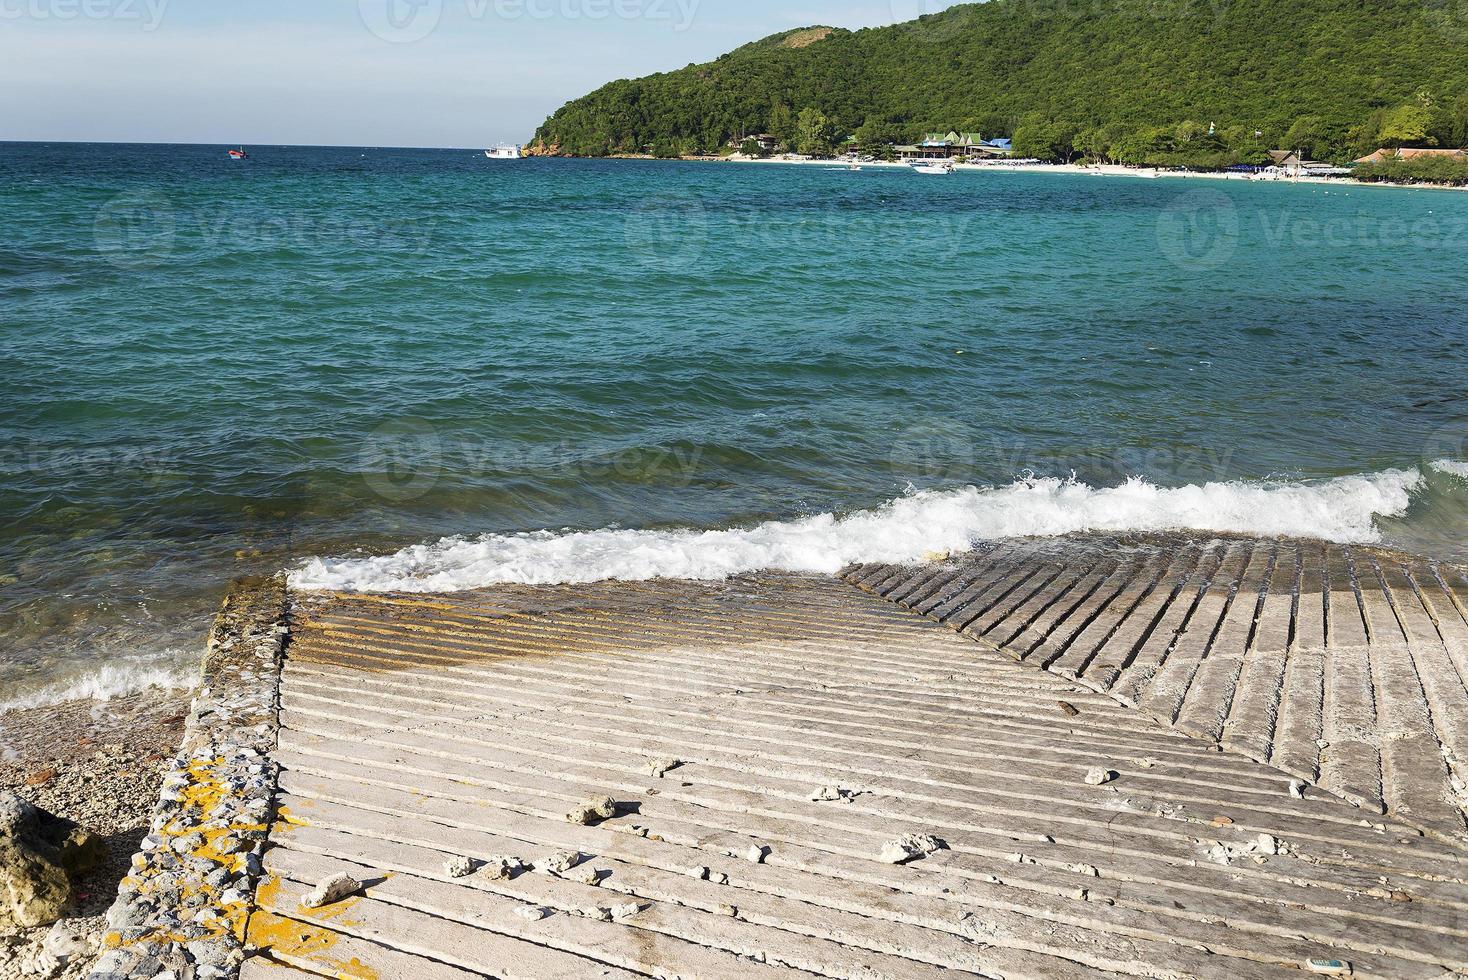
(451, 73)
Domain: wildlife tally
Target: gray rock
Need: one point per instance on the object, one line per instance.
(331, 891)
(40, 855)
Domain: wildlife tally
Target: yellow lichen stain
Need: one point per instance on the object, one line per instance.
(298, 942)
(205, 790)
(291, 941)
(287, 817)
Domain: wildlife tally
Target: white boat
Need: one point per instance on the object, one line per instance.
(505, 152)
(932, 166)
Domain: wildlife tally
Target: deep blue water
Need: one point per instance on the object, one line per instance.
(215, 368)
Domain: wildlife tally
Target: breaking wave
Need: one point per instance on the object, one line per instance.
(167, 670)
(1345, 509)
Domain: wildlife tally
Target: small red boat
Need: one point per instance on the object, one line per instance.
(239, 154)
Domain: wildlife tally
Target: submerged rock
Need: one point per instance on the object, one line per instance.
(40, 857)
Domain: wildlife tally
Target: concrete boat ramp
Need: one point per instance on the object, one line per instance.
(1079, 758)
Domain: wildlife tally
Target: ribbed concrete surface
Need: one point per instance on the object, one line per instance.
(1344, 666)
(417, 729)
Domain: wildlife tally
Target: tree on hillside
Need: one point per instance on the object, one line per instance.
(782, 124)
(1450, 123)
(1047, 140)
(1406, 125)
(876, 136)
(813, 133)
(1306, 135)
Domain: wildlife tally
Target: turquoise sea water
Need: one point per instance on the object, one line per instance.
(214, 368)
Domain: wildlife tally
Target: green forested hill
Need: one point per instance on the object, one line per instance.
(1130, 80)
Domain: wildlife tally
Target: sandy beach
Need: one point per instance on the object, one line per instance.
(1094, 170)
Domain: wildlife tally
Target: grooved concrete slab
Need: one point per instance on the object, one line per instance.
(1079, 837)
(1343, 666)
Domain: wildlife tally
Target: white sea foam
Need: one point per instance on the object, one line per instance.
(903, 530)
(1453, 466)
(163, 671)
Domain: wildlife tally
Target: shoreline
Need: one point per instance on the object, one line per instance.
(1077, 170)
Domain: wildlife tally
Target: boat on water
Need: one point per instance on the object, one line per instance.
(937, 167)
(239, 154)
(505, 152)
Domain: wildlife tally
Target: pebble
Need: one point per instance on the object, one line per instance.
(661, 767)
(756, 853)
(532, 913)
(832, 794)
(593, 811)
(331, 891)
(558, 863)
(1100, 777)
(458, 867)
(909, 847)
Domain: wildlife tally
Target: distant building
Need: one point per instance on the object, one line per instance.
(1289, 163)
(765, 141)
(956, 146)
(1409, 153)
